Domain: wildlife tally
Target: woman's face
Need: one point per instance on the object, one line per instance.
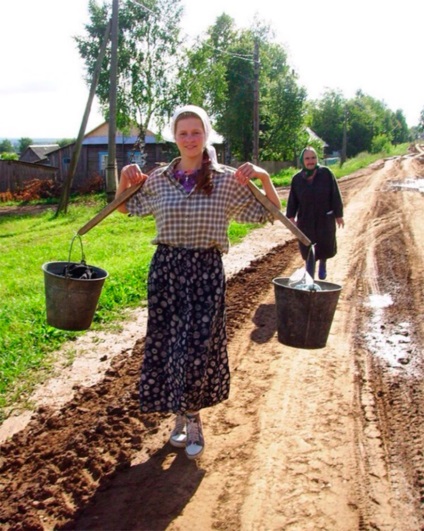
(190, 137)
(310, 160)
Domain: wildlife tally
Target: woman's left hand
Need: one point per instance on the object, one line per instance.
(248, 171)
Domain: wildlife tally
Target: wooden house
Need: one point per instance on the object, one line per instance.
(38, 153)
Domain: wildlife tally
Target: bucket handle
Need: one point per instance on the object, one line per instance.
(70, 252)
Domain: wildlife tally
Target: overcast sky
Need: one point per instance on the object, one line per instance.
(375, 46)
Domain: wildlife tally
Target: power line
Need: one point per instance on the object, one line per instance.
(145, 8)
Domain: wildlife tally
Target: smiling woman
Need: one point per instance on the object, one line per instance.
(193, 199)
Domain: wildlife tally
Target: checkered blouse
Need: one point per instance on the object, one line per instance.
(195, 220)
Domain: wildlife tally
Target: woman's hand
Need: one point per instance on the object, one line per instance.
(340, 222)
(131, 175)
(248, 171)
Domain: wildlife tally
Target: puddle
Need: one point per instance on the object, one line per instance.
(410, 183)
(380, 301)
(390, 342)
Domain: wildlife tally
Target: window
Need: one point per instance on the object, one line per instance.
(137, 158)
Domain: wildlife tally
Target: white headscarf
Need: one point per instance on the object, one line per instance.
(201, 113)
(198, 111)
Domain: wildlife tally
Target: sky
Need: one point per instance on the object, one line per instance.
(371, 45)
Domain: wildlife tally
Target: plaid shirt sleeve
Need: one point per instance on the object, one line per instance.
(195, 220)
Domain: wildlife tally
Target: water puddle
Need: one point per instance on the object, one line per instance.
(410, 183)
(389, 341)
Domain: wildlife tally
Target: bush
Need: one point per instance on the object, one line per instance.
(381, 143)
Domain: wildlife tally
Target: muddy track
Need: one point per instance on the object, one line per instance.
(390, 360)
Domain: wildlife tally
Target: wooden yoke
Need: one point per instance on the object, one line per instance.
(108, 209)
(269, 205)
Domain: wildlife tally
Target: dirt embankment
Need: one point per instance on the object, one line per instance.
(325, 439)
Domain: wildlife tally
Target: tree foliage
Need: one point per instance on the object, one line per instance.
(421, 121)
(220, 75)
(147, 59)
(6, 146)
(23, 143)
(219, 72)
(367, 121)
(327, 116)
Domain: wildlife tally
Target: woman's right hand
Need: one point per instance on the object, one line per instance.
(131, 175)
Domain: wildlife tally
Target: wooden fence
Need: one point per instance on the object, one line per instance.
(14, 173)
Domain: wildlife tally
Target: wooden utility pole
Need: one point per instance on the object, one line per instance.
(256, 102)
(66, 189)
(111, 168)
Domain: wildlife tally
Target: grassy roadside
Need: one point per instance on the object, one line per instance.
(120, 245)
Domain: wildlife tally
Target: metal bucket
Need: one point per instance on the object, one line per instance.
(71, 302)
(304, 317)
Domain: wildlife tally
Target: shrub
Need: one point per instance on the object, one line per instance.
(381, 143)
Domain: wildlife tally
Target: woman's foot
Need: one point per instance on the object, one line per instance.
(178, 436)
(195, 441)
(322, 270)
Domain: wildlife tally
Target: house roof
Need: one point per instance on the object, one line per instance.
(314, 136)
(43, 150)
(100, 135)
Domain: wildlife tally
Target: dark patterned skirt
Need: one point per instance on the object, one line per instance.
(185, 365)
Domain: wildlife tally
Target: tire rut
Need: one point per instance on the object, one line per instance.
(390, 367)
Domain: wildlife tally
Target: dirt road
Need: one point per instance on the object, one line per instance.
(328, 439)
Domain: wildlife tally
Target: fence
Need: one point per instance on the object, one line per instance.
(14, 174)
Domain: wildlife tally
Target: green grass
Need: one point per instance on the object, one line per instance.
(119, 244)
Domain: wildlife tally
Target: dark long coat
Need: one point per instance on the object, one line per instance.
(316, 205)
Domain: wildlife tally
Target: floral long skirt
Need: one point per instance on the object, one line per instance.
(185, 365)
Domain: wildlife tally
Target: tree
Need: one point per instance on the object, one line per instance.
(6, 146)
(368, 118)
(24, 143)
(283, 104)
(203, 76)
(223, 68)
(65, 142)
(356, 125)
(148, 52)
(328, 118)
(400, 128)
(421, 121)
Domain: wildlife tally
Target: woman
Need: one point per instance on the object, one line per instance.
(185, 366)
(315, 205)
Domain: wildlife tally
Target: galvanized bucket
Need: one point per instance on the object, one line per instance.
(304, 317)
(71, 302)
